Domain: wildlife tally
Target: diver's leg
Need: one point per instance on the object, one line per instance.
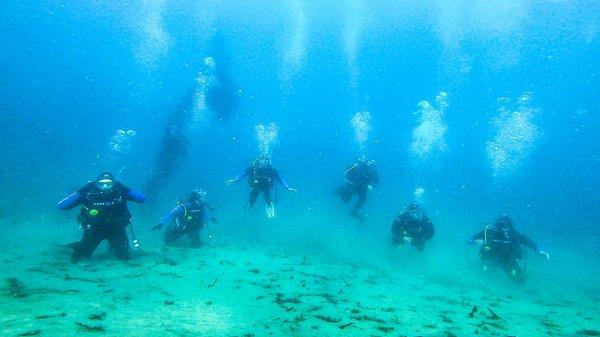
(253, 195)
(172, 234)
(269, 206)
(84, 248)
(362, 199)
(119, 242)
(513, 269)
(267, 195)
(194, 235)
(345, 192)
(485, 254)
(418, 243)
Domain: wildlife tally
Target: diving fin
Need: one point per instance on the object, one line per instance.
(270, 209)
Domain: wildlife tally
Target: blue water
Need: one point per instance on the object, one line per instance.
(75, 72)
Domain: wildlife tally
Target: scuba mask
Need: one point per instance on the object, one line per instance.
(262, 162)
(105, 185)
(198, 196)
(414, 214)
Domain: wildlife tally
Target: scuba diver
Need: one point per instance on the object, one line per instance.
(103, 215)
(360, 178)
(412, 226)
(261, 176)
(501, 245)
(189, 218)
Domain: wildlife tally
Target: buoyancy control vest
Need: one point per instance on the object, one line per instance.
(104, 208)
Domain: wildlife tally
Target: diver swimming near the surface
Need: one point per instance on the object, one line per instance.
(173, 147)
(261, 178)
(103, 215)
(413, 226)
(501, 245)
(222, 97)
(188, 217)
(212, 98)
(359, 178)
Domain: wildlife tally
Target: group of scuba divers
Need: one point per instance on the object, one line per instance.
(104, 215)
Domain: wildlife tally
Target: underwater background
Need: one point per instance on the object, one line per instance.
(483, 107)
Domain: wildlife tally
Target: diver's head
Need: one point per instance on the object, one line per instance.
(504, 222)
(414, 206)
(105, 182)
(414, 211)
(364, 161)
(198, 196)
(264, 160)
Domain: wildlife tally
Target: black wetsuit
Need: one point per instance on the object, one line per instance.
(103, 216)
(503, 247)
(358, 177)
(261, 179)
(417, 226)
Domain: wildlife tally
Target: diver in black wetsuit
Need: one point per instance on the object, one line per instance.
(188, 217)
(103, 215)
(501, 245)
(360, 178)
(261, 178)
(412, 225)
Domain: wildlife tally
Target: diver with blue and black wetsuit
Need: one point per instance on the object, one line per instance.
(359, 178)
(188, 217)
(501, 245)
(261, 178)
(103, 215)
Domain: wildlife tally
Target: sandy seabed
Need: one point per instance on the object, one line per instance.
(227, 290)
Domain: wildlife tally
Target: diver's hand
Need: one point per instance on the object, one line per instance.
(370, 187)
(545, 254)
(407, 239)
(229, 182)
(478, 241)
(291, 189)
(157, 227)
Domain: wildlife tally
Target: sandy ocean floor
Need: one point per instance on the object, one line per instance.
(220, 290)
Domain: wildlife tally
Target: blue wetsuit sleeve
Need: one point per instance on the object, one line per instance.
(135, 196)
(477, 236)
(242, 174)
(280, 179)
(175, 212)
(70, 201)
(208, 212)
(374, 178)
(522, 239)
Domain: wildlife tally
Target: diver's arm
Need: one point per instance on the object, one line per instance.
(522, 239)
(70, 201)
(429, 231)
(475, 237)
(175, 212)
(282, 181)
(529, 243)
(135, 196)
(209, 213)
(239, 177)
(374, 178)
(398, 226)
(243, 174)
